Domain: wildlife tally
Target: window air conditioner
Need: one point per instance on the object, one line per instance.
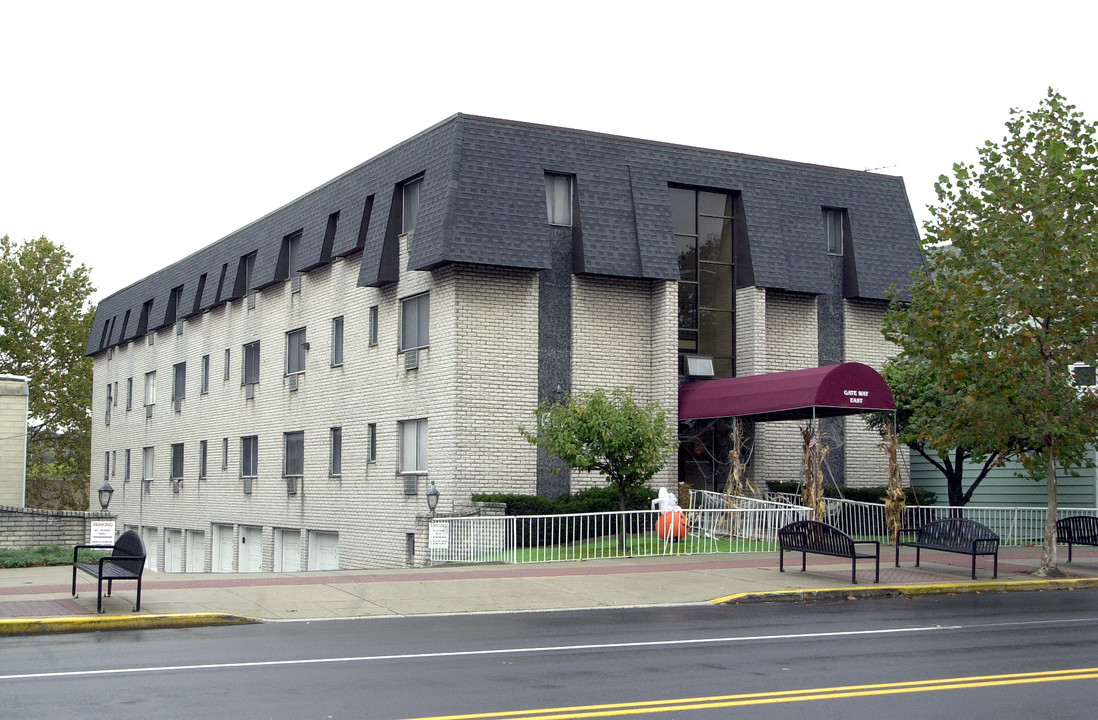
(179, 328)
(249, 391)
(251, 301)
(148, 411)
(411, 485)
(293, 382)
(411, 360)
(295, 284)
(176, 485)
(177, 404)
(248, 486)
(291, 486)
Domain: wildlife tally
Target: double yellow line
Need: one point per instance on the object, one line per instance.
(781, 696)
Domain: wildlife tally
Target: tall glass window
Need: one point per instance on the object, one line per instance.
(702, 223)
(294, 457)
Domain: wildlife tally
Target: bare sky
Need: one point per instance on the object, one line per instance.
(138, 132)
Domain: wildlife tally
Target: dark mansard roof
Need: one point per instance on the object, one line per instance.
(483, 202)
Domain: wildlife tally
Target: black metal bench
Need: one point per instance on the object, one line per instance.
(1077, 530)
(812, 536)
(125, 562)
(955, 535)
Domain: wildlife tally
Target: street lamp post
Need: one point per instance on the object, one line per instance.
(432, 498)
(105, 492)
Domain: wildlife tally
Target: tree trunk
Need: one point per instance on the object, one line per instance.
(1048, 566)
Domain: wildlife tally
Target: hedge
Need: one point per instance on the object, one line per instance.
(914, 496)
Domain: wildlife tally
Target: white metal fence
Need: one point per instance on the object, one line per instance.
(1013, 525)
(714, 523)
(548, 538)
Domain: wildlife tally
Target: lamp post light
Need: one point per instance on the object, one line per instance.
(105, 492)
(432, 497)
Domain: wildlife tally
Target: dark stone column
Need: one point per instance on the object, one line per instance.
(555, 348)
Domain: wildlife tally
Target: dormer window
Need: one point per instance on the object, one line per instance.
(558, 199)
(835, 222)
(411, 205)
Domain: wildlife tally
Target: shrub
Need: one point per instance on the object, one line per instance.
(42, 555)
(593, 500)
(913, 496)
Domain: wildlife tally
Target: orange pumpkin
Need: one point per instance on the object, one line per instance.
(671, 526)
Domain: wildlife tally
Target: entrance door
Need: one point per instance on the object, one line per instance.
(173, 551)
(196, 551)
(149, 536)
(323, 550)
(223, 548)
(251, 549)
(287, 551)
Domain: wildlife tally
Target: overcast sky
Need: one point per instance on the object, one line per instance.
(136, 133)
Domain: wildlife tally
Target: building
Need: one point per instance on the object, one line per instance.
(283, 398)
(14, 398)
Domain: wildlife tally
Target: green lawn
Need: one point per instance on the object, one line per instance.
(45, 555)
(639, 545)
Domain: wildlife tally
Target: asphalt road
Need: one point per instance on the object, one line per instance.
(1010, 655)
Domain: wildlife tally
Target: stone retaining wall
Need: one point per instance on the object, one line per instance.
(26, 527)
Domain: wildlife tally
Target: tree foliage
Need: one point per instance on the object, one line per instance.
(924, 420)
(45, 318)
(1002, 316)
(607, 433)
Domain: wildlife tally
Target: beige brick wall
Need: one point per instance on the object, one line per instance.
(13, 440)
(791, 343)
(624, 337)
(866, 464)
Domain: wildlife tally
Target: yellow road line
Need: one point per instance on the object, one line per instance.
(780, 696)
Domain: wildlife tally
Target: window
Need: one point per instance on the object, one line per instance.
(203, 454)
(337, 341)
(226, 363)
(245, 275)
(410, 199)
(205, 375)
(415, 316)
(147, 457)
(179, 381)
(110, 403)
(373, 325)
(225, 453)
(129, 393)
(177, 461)
(702, 223)
(371, 442)
(835, 222)
(558, 199)
(295, 351)
(294, 454)
(250, 373)
(1084, 375)
(150, 388)
(249, 456)
(114, 396)
(107, 465)
(336, 465)
(413, 446)
(290, 245)
(126, 469)
(114, 462)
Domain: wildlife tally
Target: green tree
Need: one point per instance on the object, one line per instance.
(1006, 312)
(925, 422)
(607, 433)
(45, 318)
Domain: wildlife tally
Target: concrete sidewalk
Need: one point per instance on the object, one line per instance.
(38, 600)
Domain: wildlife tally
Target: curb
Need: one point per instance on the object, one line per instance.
(862, 592)
(47, 626)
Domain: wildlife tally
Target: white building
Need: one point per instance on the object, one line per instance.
(283, 398)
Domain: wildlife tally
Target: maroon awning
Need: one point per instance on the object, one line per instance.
(829, 391)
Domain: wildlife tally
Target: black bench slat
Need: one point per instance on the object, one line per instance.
(126, 562)
(955, 535)
(812, 536)
(1077, 530)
